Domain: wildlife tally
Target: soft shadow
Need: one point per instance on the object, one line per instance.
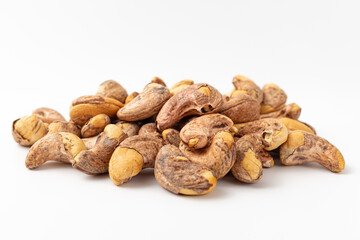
(144, 179)
(53, 165)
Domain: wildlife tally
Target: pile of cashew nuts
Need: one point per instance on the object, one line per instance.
(191, 134)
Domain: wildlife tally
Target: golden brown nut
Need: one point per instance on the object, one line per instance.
(96, 160)
(290, 111)
(271, 130)
(199, 132)
(218, 157)
(27, 130)
(158, 81)
(302, 147)
(63, 126)
(112, 89)
(86, 107)
(241, 108)
(274, 98)
(48, 115)
(292, 125)
(179, 175)
(133, 154)
(146, 104)
(95, 125)
(61, 147)
(266, 159)
(179, 86)
(247, 86)
(90, 142)
(131, 97)
(197, 99)
(247, 167)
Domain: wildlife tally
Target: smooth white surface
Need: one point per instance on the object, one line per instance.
(54, 51)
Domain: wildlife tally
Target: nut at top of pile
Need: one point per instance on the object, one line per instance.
(191, 134)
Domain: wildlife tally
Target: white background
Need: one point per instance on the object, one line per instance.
(52, 52)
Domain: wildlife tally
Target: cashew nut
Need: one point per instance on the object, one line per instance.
(95, 125)
(290, 111)
(112, 89)
(27, 130)
(274, 98)
(48, 115)
(247, 86)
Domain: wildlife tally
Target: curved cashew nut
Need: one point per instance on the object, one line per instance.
(48, 115)
(274, 98)
(302, 147)
(27, 130)
(247, 86)
(179, 175)
(112, 89)
(219, 156)
(197, 99)
(146, 104)
(179, 86)
(291, 110)
(96, 160)
(64, 126)
(95, 125)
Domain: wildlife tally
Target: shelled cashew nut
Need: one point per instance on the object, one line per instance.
(130, 128)
(247, 86)
(171, 136)
(61, 147)
(292, 125)
(177, 174)
(274, 98)
(179, 86)
(27, 130)
(131, 97)
(302, 147)
(95, 125)
(146, 104)
(197, 99)
(132, 155)
(149, 129)
(291, 110)
(112, 89)
(48, 115)
(96, 160)
(219, 156)
(63, 126)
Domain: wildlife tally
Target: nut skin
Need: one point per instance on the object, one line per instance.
(197, 99)
(131, 97)
(48, 115)
(291, 110)
(274, 98)
(302, 147)
(177, 174)
(219, 157)
(247, 86)
(158, 81)
(86, 107)
(149, 129)
(27, 130)
(96, 160)
(292, 125)
(266, 159)
(95, 125)
(90, 142)
(146, 104)
(202, 129)
(271, 130)
(248, 167)
(130, 128)
(64, 126)
(241, 108)
(133, 154)
(112, 89)
(61, 147)
(171, 136)
(179, 86)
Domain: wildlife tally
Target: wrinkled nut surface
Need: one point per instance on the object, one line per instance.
(149, 129)
(302, 147)
(171, 136)
(274, 98)
(179, 86)
(95, 125)
(112, 89)
(133, 154)
(63, 126)
(48, 115)
(131, 97)
(179, 175)
(291, 110)
(241, 108)
(292, 125)
(197, 99)
(90, 142)
(146, 104)
(27, 130)
(271, 130)
(199, 132)
(266, 159)
(61, 147)
(218, 157)
(130, 128)
(247, 167)
(247, 86)
(96, 160)
(86, 107)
